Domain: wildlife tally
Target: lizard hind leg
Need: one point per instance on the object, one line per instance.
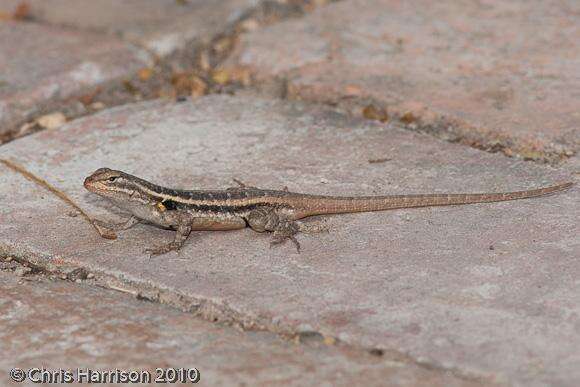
(286, 231)
(282, 227)
(241, 185)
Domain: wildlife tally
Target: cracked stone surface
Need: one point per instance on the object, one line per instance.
(487, 291)
(487, 74)
(58, 324)
(160, 26)
(47, 69)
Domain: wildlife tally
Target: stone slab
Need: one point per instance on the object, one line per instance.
(62, 325)
(161, 26)
(47, 69)
(494, 75)
(72, 54)
(488, 291)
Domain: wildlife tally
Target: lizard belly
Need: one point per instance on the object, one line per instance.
(217, 223)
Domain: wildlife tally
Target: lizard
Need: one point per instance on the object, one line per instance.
(263, 210)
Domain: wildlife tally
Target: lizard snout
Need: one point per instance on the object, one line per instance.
(88, 184)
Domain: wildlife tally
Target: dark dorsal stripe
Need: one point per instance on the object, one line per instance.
(172, 205)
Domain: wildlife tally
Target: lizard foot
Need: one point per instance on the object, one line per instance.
(241, 185)
(181, 235)
(164, 249)
(285, 230)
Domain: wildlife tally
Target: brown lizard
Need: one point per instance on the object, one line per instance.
(260, 209)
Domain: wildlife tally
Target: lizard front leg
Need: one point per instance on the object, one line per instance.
(182, 223)
(181, 234)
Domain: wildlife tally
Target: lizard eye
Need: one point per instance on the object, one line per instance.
(112, 178)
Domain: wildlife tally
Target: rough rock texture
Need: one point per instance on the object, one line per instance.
(75, 57)
(58, 325)
(47, 69)
(489, 291)
(160, 26)
(494, 75)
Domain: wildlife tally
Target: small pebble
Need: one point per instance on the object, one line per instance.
(98, 105)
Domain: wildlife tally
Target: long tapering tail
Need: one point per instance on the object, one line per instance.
(321, 205)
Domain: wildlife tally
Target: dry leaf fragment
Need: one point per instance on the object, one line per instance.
(22, 12)
(88, 98)
(241, 75)
(373, 113)
(130, 87)
(221, 77)
(329, 340)
(145, 73)
(198, 87)
(97, 105)
(204, 61)
(408, 118)
(27, 128)
(52, 120)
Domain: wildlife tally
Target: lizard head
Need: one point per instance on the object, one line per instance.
(106, 182)
(137, 196)
(117, 185)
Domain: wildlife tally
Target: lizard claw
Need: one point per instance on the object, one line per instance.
(278, 239)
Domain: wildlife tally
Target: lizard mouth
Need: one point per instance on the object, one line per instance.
(92, 185)
(87, 183)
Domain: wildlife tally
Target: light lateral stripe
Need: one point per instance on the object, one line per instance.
(226, 202)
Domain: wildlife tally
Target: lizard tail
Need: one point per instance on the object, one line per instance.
(322, 205)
